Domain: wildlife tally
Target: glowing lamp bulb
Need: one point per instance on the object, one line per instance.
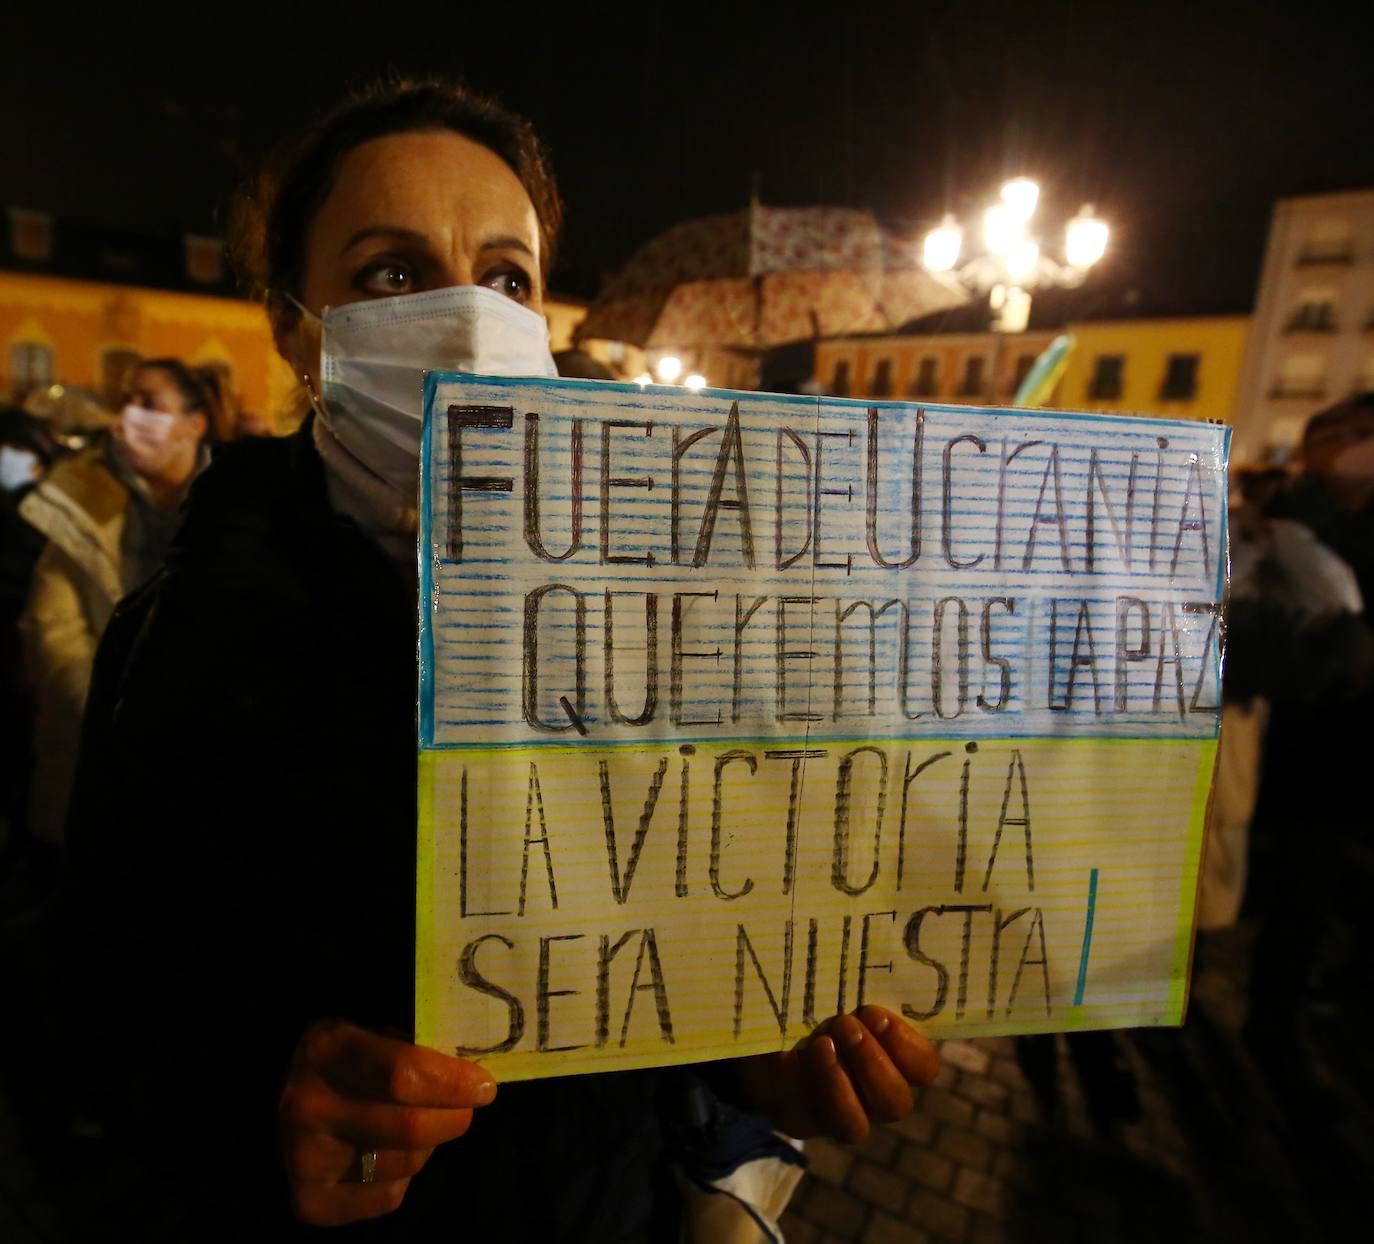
(1085, 240)
(669, 368)
(1020, 195)
(1001, 229)
(940, 251)
(643, 378)
(695, 381)
(1021, 260)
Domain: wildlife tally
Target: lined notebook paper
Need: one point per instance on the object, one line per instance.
(740, 710)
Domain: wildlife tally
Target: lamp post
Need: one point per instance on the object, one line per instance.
(1012, 262)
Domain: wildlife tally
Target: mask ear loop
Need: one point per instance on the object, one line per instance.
(316, 401)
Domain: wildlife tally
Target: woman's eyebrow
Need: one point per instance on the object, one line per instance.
(507, 242)
(392, 232)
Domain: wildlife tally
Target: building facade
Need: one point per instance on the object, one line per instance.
(968, 369)
(87, 334)
(1313, 337)
(1185, 368)
(1178, 368)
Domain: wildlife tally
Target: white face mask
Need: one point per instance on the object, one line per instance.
(148, 437)
(373, 355)
(17, 467)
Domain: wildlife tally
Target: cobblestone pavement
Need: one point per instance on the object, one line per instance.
(1221, 1151)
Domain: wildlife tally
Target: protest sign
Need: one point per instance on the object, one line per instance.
(740, 710)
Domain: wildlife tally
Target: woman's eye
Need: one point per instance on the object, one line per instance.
(385, 278)
(509, 280)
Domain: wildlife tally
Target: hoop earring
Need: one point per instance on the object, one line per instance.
(316, 404)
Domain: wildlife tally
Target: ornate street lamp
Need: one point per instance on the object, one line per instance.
(1013, 263)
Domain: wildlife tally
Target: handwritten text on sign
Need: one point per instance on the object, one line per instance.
(739, 710)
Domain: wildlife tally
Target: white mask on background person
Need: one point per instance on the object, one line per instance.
(17, 467)
(149, 438)
(373, 355)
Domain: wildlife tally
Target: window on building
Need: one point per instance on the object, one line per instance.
(1331, 240)
(1301, 375)
(1024, 363)
(1180, 378)
(1108, 372)
(204, 259)
(972, 383)
(1314, 312)
(839, 384)
(31, 367)
(927, 382)
(115, 366)
(30, 235)
(882, 379)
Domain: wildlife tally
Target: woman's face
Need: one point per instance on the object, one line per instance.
(413, 212)
(160, 438)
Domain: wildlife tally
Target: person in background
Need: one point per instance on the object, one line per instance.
(1299, 634)
(27, 449)
(1334, 494)
(577, 364)
(108, 515)
(254, 933)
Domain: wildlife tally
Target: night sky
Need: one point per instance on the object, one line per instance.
(1182, 123)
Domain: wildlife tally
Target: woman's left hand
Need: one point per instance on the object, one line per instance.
(852, 1070)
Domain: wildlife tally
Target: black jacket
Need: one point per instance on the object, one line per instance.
(243, 846)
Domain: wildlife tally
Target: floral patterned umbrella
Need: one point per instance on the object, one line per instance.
(766, 276)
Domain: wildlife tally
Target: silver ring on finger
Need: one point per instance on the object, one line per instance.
(367, 1166)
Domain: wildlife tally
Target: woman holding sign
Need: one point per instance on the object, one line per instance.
(248, 966)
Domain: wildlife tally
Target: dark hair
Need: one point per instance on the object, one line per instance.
(272, 215)
(26, 431)
(199, 387)
(1358, 408)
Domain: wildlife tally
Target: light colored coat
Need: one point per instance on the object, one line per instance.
(82, 507)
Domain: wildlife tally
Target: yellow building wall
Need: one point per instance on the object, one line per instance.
(1219, 342)
(563, 315)
(83, 320)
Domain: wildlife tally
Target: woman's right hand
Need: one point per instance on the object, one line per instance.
(351, 1092)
